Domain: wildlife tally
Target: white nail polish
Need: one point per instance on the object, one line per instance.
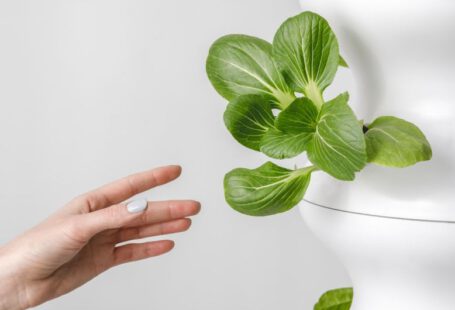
(137, 206)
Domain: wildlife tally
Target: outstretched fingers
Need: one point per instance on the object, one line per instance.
(132, 233)
(118, 216)
(137, 251)
(125, 188)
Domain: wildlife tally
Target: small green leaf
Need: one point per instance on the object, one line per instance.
(343, 63)
(306, 50)
(395, 142)
(280, 145)
(248, 118)
(239, 64)
(338, 145)
(266, 190)
(339, 299)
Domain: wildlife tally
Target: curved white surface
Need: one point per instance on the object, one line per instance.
(401, 58)
(393, 264)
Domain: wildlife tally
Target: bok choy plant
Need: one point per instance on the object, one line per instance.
(277, 107)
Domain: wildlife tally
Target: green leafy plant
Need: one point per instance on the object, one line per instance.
(338, 299)
(277, 107)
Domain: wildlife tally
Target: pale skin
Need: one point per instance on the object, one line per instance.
(82, 239)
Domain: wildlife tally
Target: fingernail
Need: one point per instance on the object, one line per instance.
(137, 206)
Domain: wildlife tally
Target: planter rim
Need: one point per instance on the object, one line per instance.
(367, 214)
(392, 264)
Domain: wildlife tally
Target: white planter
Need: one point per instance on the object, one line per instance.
(394, 264)
(402, 62)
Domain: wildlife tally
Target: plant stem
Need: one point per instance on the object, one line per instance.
(306, 170)
(313, 93)
(284, 99)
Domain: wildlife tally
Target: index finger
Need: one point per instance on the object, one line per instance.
(127, 187)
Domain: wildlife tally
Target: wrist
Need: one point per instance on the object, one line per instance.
(12, 289)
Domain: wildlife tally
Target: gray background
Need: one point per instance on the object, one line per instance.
(94, 90)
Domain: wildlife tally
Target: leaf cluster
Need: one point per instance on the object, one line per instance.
(277, 107)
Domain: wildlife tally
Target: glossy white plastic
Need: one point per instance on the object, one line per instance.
(393, 228)
(394, 264)
(401, 58)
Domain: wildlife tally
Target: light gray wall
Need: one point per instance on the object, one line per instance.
(93, 90)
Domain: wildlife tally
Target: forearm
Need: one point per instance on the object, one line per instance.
(12, 291)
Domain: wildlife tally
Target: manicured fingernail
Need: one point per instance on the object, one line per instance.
(137, 206)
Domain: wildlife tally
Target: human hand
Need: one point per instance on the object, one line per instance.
(81, 240)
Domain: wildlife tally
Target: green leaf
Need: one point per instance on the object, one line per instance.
(306, 50)
(343, 63)
(295, 127)
(338, 145)
(339, 299)
(266, 190)
(395, 142)
(248, 118)
(280, 145)
(239, 64)
(300, 117)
